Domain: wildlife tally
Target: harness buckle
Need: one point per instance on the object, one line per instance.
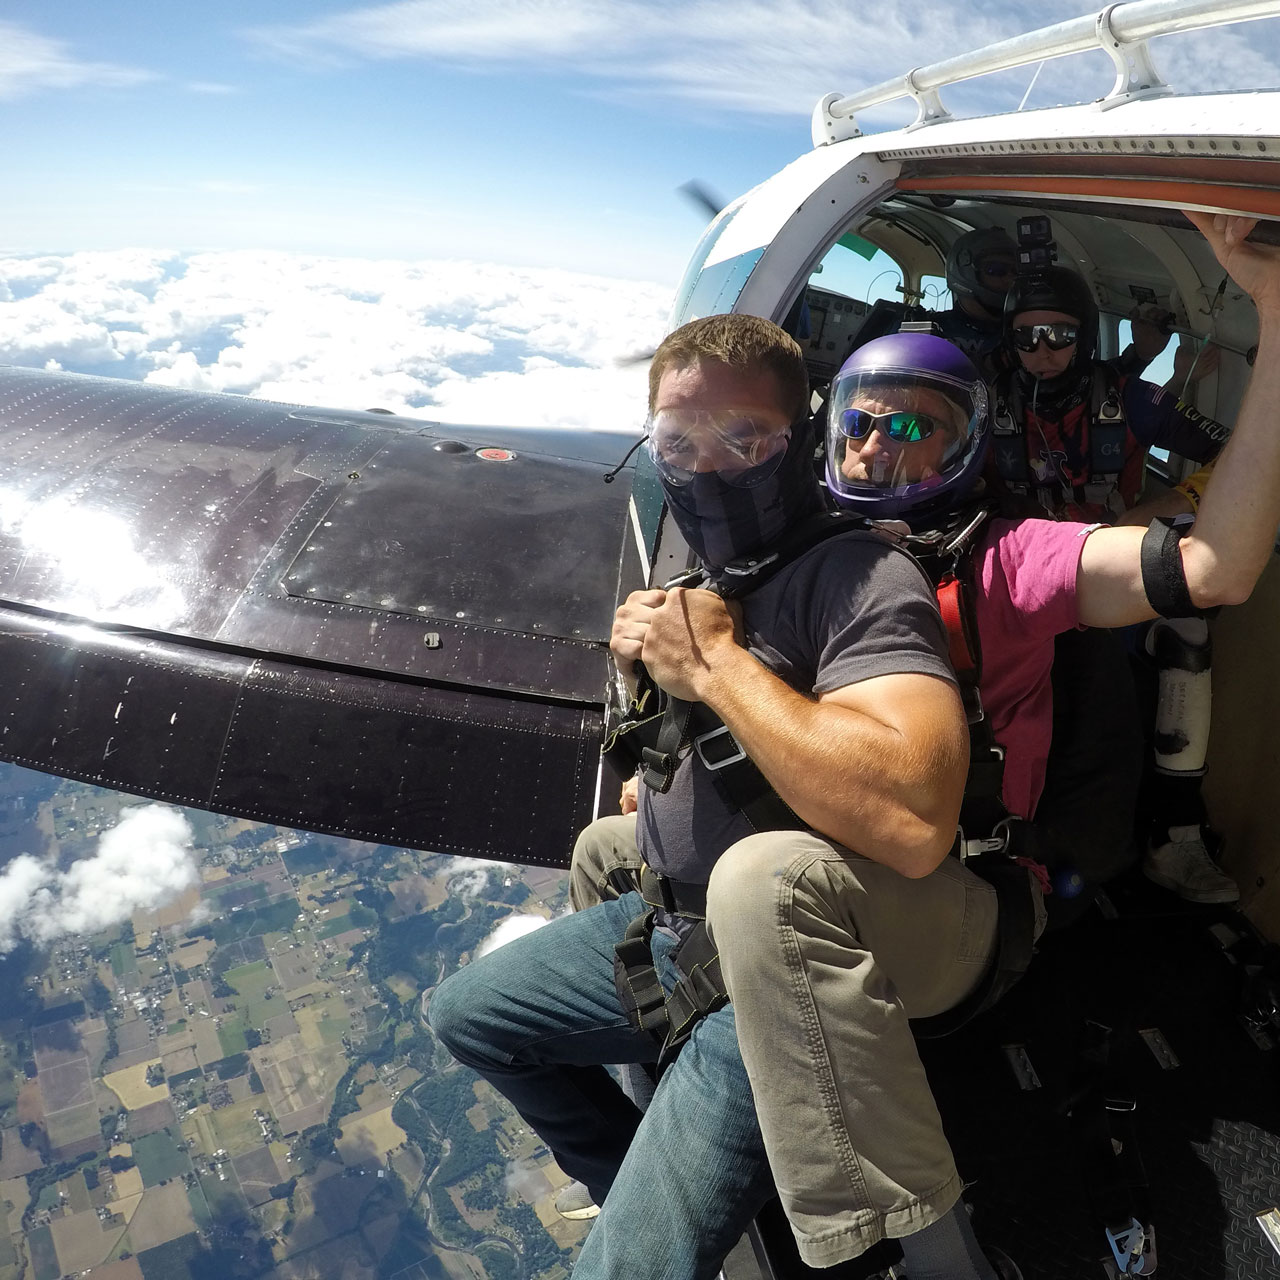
(1134, 1249)
(714, 763)
(997, 842)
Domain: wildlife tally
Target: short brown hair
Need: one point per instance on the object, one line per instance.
(743, 342)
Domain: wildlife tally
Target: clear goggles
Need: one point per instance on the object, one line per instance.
(741, 449)
(1057, 336)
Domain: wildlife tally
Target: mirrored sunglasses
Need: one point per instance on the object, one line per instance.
(1057, 336)
(902, 427)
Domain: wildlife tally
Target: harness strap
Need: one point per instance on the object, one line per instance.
(663, 758)
(1015, 942)
(737, 777)
(699, 992)
(669, 1019)
(1103, 1113)
(675, 897)
(641, 994)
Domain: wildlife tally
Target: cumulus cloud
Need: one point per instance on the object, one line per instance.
(467, 878)
(524, 1181)
(30, 62)
(507, 931)
(761, 56)
(452, 341)
(144, 862)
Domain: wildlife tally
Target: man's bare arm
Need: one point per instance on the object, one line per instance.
(1235, 529)
(878, 766)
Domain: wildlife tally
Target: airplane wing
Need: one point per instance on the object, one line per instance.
(351, 622)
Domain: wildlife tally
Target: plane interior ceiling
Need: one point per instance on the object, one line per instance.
(1122, 249)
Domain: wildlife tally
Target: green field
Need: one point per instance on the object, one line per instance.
(123, 959)
(236, 889)
(252, 921)
(305, 860)
(199, 1207)
(333, 1029)
(358, 918)
(170, 1261)
(231, 1037)
(159, 1159)
(44, 1257)
(225, 1203)
(251, 982)
(49, 1196)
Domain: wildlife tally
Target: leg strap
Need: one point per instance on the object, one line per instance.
(1015, 942)
(670, 1020)
(639, 990)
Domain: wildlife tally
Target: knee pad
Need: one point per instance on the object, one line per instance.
(1183, 654)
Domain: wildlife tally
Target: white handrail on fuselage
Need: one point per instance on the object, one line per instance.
(1121, 30)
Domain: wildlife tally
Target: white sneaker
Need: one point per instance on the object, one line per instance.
(575, 1203)
(1184, 865)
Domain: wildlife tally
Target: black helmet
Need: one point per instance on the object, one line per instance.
(1057, 289)
(966, 260)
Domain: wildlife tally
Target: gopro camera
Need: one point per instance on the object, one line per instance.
(1037, 250)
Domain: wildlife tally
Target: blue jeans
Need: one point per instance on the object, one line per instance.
(537, 1018)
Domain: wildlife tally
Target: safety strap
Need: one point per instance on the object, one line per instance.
(1163, 577)
(661, 760)
(1015, 942)
(1103, 1112)
(661, 731)
(639, 991)
(1108, 429)
(669, 1019)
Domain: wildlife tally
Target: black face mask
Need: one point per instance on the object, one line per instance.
(724, 523)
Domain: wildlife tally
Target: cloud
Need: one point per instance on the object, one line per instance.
(30, 63)
(449, 341)
(509, 930)
(144, 862)
(756, 56)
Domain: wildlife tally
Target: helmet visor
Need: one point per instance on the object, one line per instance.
(894, 429)
(742, 449)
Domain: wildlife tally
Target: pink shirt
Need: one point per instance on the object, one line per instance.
(1026, 574)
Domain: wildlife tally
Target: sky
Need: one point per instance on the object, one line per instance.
(275, 198)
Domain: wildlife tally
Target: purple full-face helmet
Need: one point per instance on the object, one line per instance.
(907, 427)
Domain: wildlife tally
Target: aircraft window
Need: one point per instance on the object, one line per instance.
(937, 297)
(853, 279)
(1160, 370)
(262, 1028)
(857, 269)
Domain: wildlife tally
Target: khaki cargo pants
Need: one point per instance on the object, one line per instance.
(826, 955)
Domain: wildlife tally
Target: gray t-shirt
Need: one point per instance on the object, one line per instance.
(850, 609)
